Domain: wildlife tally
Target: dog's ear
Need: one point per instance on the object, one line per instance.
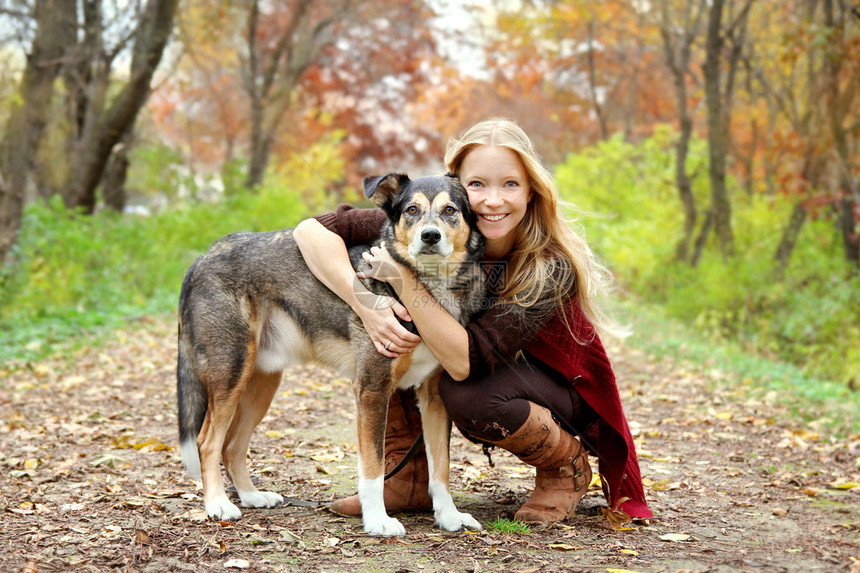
(383, 188)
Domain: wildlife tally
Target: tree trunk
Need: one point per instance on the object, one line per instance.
(29, 115)
(839, 105)
(261, 146)
(685, 189)
(113, 182)
(271, 89)
(789, 236)
(678, 60)
(717, 131)
(847, 225)
(105, 128)
(702, 238)
(592, 82)
(633, 96)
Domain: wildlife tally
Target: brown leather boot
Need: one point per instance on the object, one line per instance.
(563, 472)
(407, 489)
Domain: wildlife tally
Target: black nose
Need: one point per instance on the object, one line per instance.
(430, 236)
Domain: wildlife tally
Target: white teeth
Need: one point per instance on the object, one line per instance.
(493, 218)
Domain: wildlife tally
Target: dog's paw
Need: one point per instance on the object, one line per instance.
(455, 521)
(260, 499)
(222, 509)
(384, 527)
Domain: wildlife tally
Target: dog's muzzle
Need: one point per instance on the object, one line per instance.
(430, 241)
(430, 236)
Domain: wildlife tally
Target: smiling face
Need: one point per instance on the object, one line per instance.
(498, 187)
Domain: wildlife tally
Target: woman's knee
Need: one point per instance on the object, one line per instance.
(473, 407)
(456, 397)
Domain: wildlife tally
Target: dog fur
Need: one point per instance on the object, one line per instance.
(250, 307)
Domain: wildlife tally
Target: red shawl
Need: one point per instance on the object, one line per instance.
(587, 368)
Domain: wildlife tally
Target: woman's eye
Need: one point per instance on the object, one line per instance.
(474, 184)
(512, 184)
(412, 209)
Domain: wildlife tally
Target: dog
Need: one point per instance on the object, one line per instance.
(250, 307)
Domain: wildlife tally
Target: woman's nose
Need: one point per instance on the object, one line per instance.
(493, 198)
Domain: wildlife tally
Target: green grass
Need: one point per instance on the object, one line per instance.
(72, 277)
(825, 404)
(507, 526)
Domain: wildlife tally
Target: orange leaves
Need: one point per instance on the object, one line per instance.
(128, 440)
(617, 518)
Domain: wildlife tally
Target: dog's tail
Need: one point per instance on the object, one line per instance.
(193, 401)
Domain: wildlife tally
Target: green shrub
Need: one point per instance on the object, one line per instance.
(807, 316)
(71, 272)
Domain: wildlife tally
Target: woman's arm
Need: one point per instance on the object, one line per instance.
(492, 339)
(327, 258)
(441, 332)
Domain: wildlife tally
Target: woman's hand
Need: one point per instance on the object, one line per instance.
(379, 314)
(382, 267)
(381, 322)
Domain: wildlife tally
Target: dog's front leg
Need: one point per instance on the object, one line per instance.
(372, 406)
(437, 437)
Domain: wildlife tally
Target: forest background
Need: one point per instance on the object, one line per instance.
(710, 146)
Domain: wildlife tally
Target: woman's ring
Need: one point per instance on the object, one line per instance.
(387, 344)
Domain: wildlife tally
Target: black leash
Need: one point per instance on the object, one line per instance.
(419, 441)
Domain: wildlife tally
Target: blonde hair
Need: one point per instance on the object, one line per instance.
(548, 254)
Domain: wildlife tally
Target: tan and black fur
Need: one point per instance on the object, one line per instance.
(250, 307)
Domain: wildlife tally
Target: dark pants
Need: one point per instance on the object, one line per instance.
(490, 408)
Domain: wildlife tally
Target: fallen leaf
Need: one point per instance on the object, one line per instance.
(237, 564)
(806, 435)
(153, 444)
(111, 530)
(108, 460)
(675, 537)
(322, 469)
(196, 515)
(327, 457)
(844, 484)
(616, 517)
(563, 547)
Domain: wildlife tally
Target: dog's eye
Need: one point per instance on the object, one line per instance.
(449, 210)
(412, 209)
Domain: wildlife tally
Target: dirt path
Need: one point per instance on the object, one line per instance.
(90, 480)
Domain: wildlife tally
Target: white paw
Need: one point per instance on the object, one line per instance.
(260, 499)
(221, 509)
(384, 527)
(453, 520)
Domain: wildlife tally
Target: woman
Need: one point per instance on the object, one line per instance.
(530, 374)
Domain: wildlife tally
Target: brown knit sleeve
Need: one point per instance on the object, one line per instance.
(497, 335)
(504, 329)
(354, 226)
